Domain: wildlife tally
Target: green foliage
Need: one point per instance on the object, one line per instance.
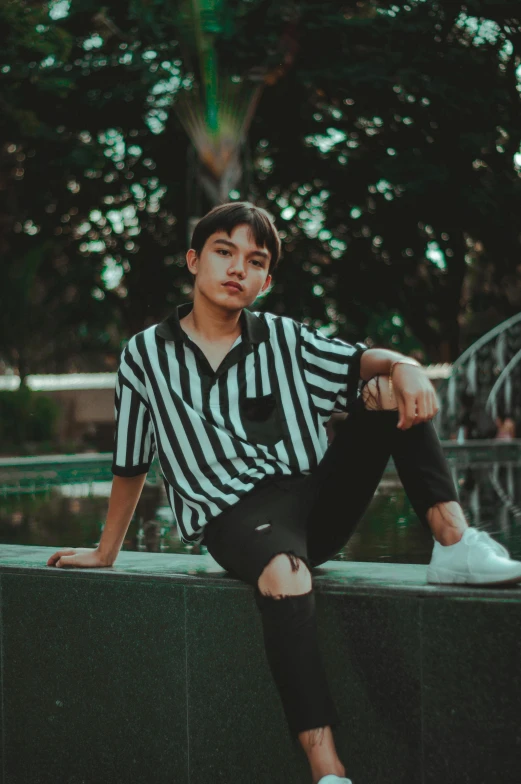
(27, 416)
(411, 135)
(387, 328)
(25, 34)
(384, 144)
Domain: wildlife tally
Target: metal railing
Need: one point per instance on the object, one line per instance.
(488, 374)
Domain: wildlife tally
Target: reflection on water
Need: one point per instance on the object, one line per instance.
(72, 515)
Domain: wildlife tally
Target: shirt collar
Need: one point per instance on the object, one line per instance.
(253, 329)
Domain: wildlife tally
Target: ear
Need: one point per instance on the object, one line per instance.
(191, 261)
(266, 283)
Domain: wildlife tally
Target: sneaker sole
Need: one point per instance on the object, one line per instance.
(446, 577)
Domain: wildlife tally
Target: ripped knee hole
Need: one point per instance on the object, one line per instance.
(269, 573)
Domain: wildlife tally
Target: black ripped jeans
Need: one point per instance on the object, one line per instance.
(311, 517)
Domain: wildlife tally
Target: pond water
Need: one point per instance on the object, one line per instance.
(73, 515)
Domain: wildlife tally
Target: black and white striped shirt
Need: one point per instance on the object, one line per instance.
(218, 433)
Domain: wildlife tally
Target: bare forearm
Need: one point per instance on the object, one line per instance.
(124, 496)
(377, 362)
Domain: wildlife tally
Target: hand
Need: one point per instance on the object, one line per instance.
(415, 396)
(82, 557)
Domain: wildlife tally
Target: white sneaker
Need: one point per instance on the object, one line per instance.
(476, 558)
(332, 779)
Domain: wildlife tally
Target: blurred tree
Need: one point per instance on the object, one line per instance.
(386, 144)
(217, 111)
(46, 312)
(397, 149)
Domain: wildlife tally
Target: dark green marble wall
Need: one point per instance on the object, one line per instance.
(154, 672)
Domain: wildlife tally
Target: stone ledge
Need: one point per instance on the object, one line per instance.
(154, 671)
(363, 577)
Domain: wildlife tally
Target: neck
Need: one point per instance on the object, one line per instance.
(211, 323)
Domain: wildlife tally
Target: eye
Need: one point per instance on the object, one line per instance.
(222, 250)
(256, 261)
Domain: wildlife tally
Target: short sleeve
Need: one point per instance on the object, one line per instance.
(134, 440)
(331, 370)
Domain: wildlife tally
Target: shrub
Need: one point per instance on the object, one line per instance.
(27, 416)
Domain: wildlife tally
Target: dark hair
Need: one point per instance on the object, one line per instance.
(225, 217)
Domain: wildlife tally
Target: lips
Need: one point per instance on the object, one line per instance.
(233, 286)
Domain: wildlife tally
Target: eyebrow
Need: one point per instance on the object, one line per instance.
(262, 253)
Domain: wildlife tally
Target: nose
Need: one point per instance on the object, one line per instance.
(238, 265)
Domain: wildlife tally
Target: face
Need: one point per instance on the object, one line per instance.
(225, 260)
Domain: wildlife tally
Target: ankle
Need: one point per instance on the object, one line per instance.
(336, 770)
(450, 537)
(447, 522)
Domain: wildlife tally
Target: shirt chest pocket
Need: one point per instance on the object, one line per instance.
(261, 420)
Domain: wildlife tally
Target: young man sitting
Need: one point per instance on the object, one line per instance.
(235, 403)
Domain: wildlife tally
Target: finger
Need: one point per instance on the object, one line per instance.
(433, 406)
(410, 411)
(429, 410)
(435, 403)
(422, 408)
(401, 410)
(66, 560)
(430, 407)
(55, 556)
